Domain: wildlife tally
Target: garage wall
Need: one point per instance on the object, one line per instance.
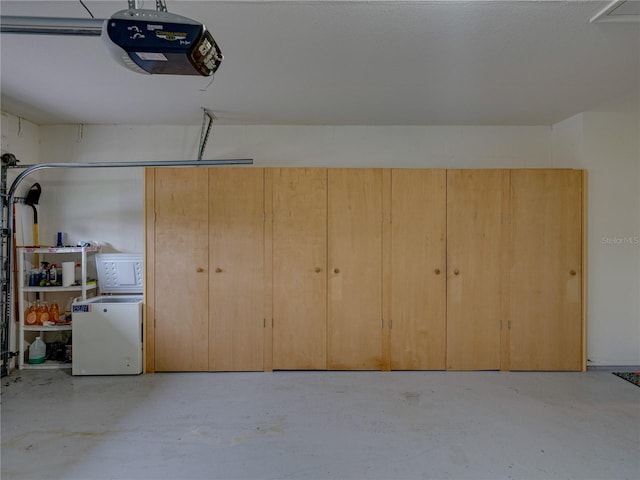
(20, 137)
(606, 143)
(106, 205)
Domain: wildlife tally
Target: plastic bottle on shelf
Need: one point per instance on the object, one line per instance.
(42, 313)
(37, 351)
(67, 311)
(34, 278)
(44, 274)
(54, 313)
(53, 275)
(30, 317)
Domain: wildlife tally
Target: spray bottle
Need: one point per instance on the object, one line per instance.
(53, 274)
(44, 274)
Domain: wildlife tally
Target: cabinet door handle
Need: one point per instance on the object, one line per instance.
(318, 269)
(456, 272)
(572, 272)
(437, 271)
(199, 269)
(218, 270)
(336, 270)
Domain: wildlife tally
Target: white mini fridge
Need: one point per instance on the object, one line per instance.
(107, 329)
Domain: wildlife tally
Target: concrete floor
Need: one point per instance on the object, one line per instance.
(320, 425)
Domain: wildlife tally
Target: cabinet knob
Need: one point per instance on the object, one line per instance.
(437, 271)
(218, 270)
(456, 272)
(199, 269)
(572, 272)
(336, 270)
(318, 269)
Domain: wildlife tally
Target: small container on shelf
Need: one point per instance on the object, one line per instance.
(52, 275)
(31, 315)
(54, 313)
(42, 313)
(34, 278)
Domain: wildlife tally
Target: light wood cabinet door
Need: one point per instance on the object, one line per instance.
(236, 265)
(300, 268)
(546, 270)
(180, 277)
(418, 269)
(475, 246)
(354, 338)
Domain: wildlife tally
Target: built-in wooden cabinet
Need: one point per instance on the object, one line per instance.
(299, 252)
(545, 274)
(205, 269)
(177, 283)
(236, 269)
(418, 270)
(475, 244)
(364, 269)
(354, 328)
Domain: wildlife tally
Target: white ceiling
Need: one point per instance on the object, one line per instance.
(336, 62)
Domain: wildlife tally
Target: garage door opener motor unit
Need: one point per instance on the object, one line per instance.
(159, 42)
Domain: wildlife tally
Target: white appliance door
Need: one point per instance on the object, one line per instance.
(107, 339)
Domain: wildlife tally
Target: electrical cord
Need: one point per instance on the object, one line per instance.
(86, 8)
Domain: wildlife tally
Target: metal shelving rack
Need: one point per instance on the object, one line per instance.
(4, 276)
(8, 161)
(23, 290)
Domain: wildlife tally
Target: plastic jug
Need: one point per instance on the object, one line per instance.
(37, 351)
